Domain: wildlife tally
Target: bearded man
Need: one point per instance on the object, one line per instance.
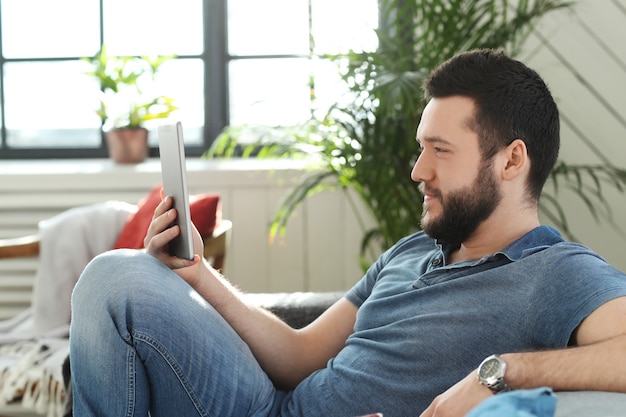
(485, 299)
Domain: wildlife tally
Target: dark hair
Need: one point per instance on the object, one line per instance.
(512, 102)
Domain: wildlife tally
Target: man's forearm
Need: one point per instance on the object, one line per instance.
(268, 337)
(286, 354)
(600, 366)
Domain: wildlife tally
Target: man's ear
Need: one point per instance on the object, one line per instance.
(516, 161)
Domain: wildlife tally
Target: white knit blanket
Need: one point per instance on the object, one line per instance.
(34, 345)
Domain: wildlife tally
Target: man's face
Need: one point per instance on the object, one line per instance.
(460, 189)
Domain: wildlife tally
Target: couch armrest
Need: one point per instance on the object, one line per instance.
(19, 247)
(590, 404)
(297, 308)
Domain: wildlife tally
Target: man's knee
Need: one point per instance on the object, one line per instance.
(110, 272)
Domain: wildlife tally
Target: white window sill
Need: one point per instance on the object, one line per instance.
(91, 166)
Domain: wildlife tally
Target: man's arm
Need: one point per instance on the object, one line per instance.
(286, 354)
(597, 362)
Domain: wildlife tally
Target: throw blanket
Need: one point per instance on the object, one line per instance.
(34, 345)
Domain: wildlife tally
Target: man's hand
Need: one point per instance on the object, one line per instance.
(459, 399)
(160, 233)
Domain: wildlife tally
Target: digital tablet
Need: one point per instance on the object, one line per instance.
(174, 174)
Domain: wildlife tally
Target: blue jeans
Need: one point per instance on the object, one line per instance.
(143, 341)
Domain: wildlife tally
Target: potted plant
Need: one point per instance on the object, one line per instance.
(368, 145)
(126, 101)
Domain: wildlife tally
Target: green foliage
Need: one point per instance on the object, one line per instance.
(588, 183)
(368, 144)
(123, 83)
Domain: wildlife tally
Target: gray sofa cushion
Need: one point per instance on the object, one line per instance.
(295, 308)
(590, 404)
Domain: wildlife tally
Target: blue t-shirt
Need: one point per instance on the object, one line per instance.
(423, 325)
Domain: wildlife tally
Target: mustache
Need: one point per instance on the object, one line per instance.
(424, 189)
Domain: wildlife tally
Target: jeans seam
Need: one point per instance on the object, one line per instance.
(162, 351)
(132, 383)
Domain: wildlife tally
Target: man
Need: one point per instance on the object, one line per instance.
(485, 278)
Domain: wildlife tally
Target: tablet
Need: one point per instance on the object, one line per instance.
(174, 174)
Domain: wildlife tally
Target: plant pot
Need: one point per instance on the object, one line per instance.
(127, 145)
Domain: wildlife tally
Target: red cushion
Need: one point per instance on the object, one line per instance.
(205, 211)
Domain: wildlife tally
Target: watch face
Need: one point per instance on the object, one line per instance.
(489, 368)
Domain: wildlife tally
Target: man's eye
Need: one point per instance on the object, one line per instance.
(440, 150)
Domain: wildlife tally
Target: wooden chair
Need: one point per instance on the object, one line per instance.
(26, 246)
(215, 245)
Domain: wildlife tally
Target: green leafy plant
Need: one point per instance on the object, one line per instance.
(588, 183)
(125, 84)
(368, 145)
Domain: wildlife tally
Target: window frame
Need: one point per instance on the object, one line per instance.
(216, 59)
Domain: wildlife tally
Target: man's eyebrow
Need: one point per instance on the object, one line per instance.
(434, 139)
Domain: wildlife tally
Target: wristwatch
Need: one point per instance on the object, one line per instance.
(491, 374)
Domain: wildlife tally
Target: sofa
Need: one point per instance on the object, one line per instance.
(298, 309)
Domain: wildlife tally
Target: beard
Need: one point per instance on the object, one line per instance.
(463, 210)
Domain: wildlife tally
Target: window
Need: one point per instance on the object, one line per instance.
(237, 62)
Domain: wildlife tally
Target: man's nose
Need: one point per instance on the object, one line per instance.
(421, 171)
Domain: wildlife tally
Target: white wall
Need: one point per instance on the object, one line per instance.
(582, 56)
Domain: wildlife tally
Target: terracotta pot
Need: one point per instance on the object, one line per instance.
(127, 145)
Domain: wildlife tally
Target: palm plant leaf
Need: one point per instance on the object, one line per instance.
(305, 188)
(588, 183)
